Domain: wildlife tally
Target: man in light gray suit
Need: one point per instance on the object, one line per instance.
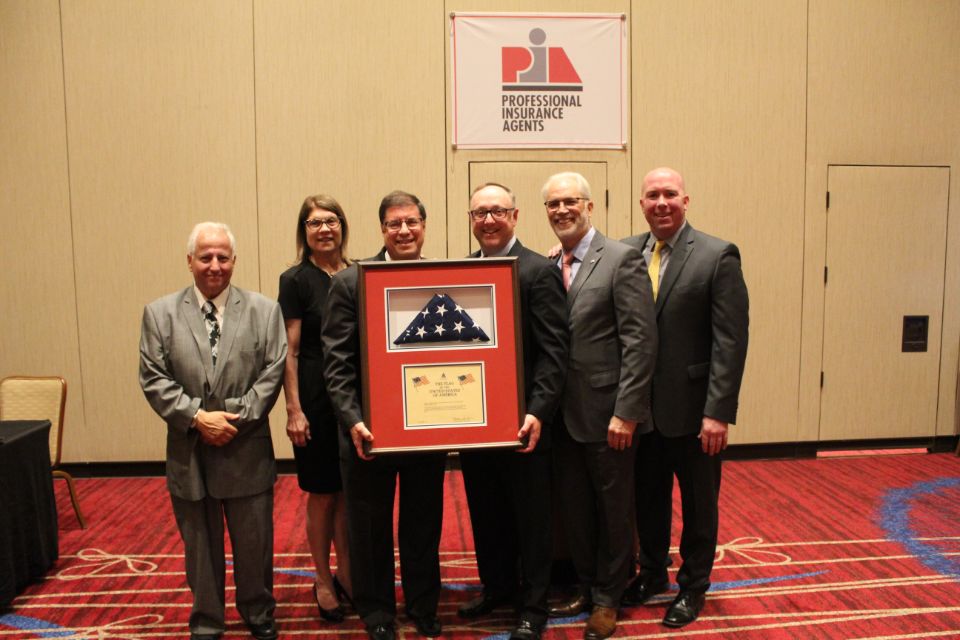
(211, 363)
(613, 345)
(702, 316)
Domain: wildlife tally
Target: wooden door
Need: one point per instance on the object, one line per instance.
(886, 251)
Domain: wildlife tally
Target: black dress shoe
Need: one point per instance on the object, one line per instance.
(428, 625)
(264, 630)
(641, 590)
(571, 608)
(480, 606)
(381, 632)
(685, 609)
(337, 614)
(526, 630)
(205, 636)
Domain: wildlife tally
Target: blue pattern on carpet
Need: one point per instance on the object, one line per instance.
(895, 520)
(42, 628)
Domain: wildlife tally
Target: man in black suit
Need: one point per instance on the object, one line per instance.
(508, 492)
(370, 482)
(613, 345)
(702, 316)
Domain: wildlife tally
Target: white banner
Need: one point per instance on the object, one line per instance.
(539, 80)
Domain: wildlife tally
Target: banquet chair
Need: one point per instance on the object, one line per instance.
(41, 398)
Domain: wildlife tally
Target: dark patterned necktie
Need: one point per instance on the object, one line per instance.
(213, 327)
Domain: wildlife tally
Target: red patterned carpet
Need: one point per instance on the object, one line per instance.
(865, 548)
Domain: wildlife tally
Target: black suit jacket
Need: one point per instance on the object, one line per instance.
(341, 344)
(703, 316)
(546, 337)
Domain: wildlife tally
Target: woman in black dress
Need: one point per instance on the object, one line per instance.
(311, 423)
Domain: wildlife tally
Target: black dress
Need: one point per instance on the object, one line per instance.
(303, 293)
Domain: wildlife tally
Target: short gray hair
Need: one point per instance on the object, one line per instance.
(208, 226)
(582, 183)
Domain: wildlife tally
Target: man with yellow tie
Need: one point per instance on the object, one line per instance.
(702, 319)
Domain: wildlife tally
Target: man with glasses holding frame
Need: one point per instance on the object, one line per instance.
(370, 481)
(508, 491)
(606, 399)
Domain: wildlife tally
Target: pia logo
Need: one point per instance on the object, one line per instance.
(538, 68)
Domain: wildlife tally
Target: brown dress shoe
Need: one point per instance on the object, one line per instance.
(601, 624)
(570, 608)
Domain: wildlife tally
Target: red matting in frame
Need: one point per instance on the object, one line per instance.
(391, 295)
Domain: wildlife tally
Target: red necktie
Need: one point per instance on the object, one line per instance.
(568, 259)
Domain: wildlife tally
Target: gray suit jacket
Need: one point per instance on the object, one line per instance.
(613, 341)
(703, 316)
(178, 378)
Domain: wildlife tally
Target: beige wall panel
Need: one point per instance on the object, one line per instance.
(718, 93)
(160, 120)
(350, 103)
(882, 90)
(38, 328)
(355, 113)
(458, 160)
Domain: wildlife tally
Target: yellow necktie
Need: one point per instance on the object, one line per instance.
(654, 270)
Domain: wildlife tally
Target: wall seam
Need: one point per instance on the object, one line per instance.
(73, 237)
(256, 150)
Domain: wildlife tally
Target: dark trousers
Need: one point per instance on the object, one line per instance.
(508, 494)
(369, 488)
(595, 486)
(659, 459)
(250, 525)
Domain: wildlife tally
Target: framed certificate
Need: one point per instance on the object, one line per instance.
(441, 357)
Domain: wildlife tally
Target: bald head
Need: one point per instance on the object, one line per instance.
(664, 173)
(664, 201)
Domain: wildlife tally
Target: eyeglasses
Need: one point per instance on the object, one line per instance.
(498, 214)
(412, 223)
(569, 203)
(313, 224)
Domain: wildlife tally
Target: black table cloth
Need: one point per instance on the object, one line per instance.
(28, 512)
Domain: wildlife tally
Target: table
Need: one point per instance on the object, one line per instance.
(28, 511)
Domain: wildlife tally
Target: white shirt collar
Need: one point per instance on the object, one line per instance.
(581, 249)
(672, 240)
(220, 301)
(504, 251)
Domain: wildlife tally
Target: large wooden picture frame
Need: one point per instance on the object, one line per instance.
(441, 354)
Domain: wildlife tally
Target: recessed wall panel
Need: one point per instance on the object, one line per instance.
(160, 118)
(38, 326)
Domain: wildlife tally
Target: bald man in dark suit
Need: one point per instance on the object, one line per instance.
(702, 315)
